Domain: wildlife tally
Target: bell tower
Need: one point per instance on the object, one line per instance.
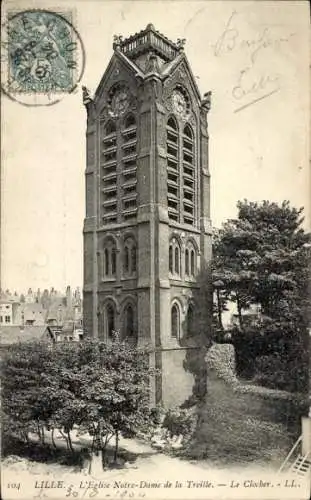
(147, 228)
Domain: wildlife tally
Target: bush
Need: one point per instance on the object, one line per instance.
(90, 386)
(278, 372)
(180, 422)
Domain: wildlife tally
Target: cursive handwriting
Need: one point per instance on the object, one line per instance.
(92, 492)
(250, 85)
(230, 39)
(253, 83)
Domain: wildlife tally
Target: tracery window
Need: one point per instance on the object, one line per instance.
(109, 320)
(174, 257)
(129, 257)
(110, 258)
(175, 321)
(173, 181)
(129, 329)
(188, 161)
(129, 168)
(190, 260)
(181, 175)
(190, 320)
(108, 161)
(118, 157)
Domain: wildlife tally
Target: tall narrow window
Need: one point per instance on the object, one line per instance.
(129, 321)
(190, 321)
(130, 257)
(187, 261)
(113, 261)
(173, 178)
(192, 263)
(174, 258)
(110, 258)
(126, 259)
(190, 260)
(106, 262)
(175, 322)
(108, 162)
(170, 259)
(188, 161)
(129, 168)
(110, 320)
(133, 258)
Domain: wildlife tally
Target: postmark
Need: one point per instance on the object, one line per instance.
(42, 56)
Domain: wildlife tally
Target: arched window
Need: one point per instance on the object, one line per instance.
(108, 166)
(106, 262)
(171, 122)
(174, 257)
(192, 263)
(129, 321)
(170, 259)
(126, 259)
(109, 320)
(113, 261)
(190, 320)
(130, 256)
(187, 261)
(133, 258)
(175, 321)
(130, 121)
(189, 177)
(110, 128)
(110, 258)
(188, 131)
(128, 194)
(173, 174)
(190, 260)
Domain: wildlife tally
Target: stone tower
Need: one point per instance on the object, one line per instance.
(147, 229)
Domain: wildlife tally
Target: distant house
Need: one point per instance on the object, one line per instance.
(8, 311)
(14, 334)
(71, 331)
(31, 314)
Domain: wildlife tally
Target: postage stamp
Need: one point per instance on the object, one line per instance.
(42, 55)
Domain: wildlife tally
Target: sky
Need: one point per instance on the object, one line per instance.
(253, 56)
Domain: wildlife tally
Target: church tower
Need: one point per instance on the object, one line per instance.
(147, 229)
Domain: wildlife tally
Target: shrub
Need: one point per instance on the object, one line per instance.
(180, 422)
(276, 371)
(91, 386)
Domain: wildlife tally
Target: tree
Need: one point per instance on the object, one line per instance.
(26, 400)
(262, 258)
(88, 386)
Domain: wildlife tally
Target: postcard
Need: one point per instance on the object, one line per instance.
(156, 249)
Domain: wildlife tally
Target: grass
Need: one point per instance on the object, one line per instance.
(238, 428)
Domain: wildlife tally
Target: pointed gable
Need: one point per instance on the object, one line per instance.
(177, 72)
(119, 68)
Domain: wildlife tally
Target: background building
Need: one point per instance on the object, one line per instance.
(147, 229)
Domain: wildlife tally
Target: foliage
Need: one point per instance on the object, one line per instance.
(261, 258)
(180, 422)
(90, 386)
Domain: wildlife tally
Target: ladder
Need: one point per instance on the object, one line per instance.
(302, 465)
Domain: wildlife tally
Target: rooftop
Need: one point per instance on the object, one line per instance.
(146, 41)
(14, 334)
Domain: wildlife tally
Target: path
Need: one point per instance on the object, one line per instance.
(152, 475)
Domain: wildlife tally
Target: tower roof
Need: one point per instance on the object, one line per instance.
(146, 41)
